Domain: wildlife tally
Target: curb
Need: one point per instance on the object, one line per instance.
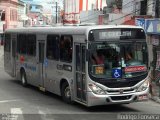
(154, 98)
(157, 100)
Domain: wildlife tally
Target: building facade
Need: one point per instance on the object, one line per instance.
(79, 11)
(35, 14)
(10, 10)
(10, 14)
(138, 9)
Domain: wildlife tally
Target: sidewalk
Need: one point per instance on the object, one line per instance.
(154, 92)
(155, 85)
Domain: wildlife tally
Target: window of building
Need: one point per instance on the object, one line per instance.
(13, 15)
(53, 47)
(66, 45)
(143, 9)
(3, 16)
(7, 43)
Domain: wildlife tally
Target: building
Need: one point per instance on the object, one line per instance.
(83, 11)
(112, 13)
(35, 14)
(22, 16)
(127, 11)
(138, 9)
(9, 10)
(10, 14)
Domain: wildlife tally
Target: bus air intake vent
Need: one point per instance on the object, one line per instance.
(121, 97)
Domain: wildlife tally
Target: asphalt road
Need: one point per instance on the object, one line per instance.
(19, 103)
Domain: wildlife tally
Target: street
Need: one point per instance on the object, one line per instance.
(103, 50)
(29, 103)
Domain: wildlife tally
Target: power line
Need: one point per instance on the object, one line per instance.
(128, 3)
(120, 17)
(98, 13)
(130, 13)
(123, 6)
(89, 19)
(89, 16)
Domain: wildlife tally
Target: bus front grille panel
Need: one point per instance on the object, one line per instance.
(116, 98)
(118, 91)
(120, 84)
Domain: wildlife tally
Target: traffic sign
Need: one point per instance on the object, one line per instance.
(116, 73)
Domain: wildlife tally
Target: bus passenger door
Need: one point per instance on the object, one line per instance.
(41, 50)
(13, 52)
(80, 76)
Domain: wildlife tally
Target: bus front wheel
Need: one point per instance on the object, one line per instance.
(23, 78)
(66, 92)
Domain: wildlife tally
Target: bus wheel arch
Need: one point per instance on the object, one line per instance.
(65, 91)
(23, 77)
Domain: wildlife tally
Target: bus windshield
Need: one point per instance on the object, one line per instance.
(118, 60)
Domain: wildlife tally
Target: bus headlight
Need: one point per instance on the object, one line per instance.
(144, 86)
(97, 90)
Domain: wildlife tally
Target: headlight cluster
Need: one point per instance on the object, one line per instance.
(96, 89)
(143, 86)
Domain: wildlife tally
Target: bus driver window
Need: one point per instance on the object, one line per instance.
(98, 58)
(98, 61)
(128, 56)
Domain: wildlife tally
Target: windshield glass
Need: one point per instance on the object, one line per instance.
(118, 60)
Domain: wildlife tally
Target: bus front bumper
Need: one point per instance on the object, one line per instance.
(94, 99)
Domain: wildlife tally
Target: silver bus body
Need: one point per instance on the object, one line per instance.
(50, 74)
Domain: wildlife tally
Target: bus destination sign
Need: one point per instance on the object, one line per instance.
(117, 34)
(114, 34)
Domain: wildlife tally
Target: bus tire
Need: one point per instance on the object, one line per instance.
(66, 92)
(23, 78)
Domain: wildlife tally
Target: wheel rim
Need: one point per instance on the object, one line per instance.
(67, 92)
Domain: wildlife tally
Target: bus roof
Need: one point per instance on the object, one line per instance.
(65, 29)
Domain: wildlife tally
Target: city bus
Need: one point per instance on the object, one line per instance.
(62, 60)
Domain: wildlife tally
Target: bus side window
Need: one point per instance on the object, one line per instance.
(31, 44)
(66, 48)
(7, 44)
(53, 47)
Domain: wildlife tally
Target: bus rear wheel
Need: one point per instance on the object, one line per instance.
(66, 92)
(23, 78)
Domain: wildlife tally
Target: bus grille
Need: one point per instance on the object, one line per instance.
(118, 91)
(121, 97)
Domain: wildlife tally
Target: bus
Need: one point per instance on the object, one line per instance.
(61, 60)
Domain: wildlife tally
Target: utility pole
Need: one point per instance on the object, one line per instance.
(56, 12)
(157, 11)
